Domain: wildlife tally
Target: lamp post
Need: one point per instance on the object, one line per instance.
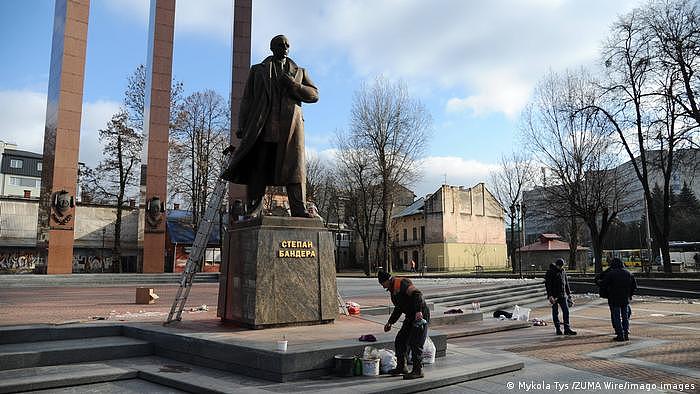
(522, 233)
(102, 251)
(512, 236)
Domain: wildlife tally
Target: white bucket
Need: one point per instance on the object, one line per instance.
(282, 346)
(370, 367)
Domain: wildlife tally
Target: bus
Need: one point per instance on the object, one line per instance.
(630, 257)
(685, 252)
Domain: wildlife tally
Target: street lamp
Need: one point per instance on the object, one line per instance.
(102, 252)
(522, 233)
(512, 236)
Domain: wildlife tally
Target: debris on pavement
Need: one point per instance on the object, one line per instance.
(201, 308)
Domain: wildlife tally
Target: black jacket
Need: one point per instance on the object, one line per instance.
(556, 282)
(619, 284)
(407, 303)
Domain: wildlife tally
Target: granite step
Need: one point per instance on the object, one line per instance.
(459, 366)
(49, 332)
(499, 289)
(41, 378)
(507, 303)
(68, 351)
(482, 327)
(93, 280)
(481, 298)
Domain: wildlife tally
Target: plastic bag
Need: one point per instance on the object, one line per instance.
(387, 360)
(429, 351)
(520, 313)
(353, 307)
(370, 353)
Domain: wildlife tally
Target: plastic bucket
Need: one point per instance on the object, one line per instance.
(282, 346)
(370, 367)
(343, 365)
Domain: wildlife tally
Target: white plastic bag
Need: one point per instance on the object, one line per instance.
(520, 313)
(387, 360)
(428, 352)
(370, 353)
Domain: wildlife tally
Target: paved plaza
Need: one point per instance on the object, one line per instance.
(663, 354)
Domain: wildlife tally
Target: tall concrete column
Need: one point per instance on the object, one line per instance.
(156, 122)
(240, 66)
(62, 137)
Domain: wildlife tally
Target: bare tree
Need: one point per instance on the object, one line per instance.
(513, 176)
(357, 184)
(650, 96)
(135, 97)
(578, 152)
(117, 171)
(320, 188)
(202, 127)
(393, 128)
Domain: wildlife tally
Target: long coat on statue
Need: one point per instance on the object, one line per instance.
(263, 93)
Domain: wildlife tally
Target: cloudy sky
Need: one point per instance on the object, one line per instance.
(472, 63)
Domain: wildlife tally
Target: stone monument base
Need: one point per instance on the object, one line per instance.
(278, 271)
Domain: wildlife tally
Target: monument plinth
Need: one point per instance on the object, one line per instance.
(278, 271)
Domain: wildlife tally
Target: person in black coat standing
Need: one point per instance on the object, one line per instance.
(619, 285)
(559, 295)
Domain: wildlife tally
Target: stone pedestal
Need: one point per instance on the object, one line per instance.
(278, 271)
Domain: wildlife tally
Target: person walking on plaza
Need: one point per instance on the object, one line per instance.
(408, 300)
(559, 295)
(619, 285)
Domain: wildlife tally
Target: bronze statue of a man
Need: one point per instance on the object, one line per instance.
(271, 127)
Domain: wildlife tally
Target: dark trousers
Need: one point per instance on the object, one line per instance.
(561, 302)
(620, 318)
(266, 165)
(413, 338)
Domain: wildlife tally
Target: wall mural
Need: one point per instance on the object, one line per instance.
(91, 264)
(18, 261)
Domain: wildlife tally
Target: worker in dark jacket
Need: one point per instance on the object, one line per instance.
(408, 300)
(559, 295)
(619, 285)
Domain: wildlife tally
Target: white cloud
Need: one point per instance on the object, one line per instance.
(489, 54)
(95, 117)
(23, 118)
(457, 170)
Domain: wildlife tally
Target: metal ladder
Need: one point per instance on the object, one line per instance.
(200, 245)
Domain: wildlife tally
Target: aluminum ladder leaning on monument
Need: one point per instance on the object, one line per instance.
(199, 245)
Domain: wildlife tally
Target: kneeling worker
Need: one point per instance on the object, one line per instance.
(407, 299)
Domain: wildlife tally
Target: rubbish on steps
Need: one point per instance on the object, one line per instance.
(353, 307)
(538, 322)
(453, 311)
(387, 360)
(368, 338)
(499, 313)
(201, 308)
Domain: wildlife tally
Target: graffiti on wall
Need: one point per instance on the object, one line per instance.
(91, 264)
(18, 261)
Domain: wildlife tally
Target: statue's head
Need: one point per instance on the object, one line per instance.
(279, 45)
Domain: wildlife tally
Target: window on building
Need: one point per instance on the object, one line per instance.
(24, 182)
(415, 234)
(405, 234)
(422, 233)
(38, 166)
(16, 163)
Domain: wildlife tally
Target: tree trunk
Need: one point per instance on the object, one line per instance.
(597, 250)
(573, 243)
(116, 250)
